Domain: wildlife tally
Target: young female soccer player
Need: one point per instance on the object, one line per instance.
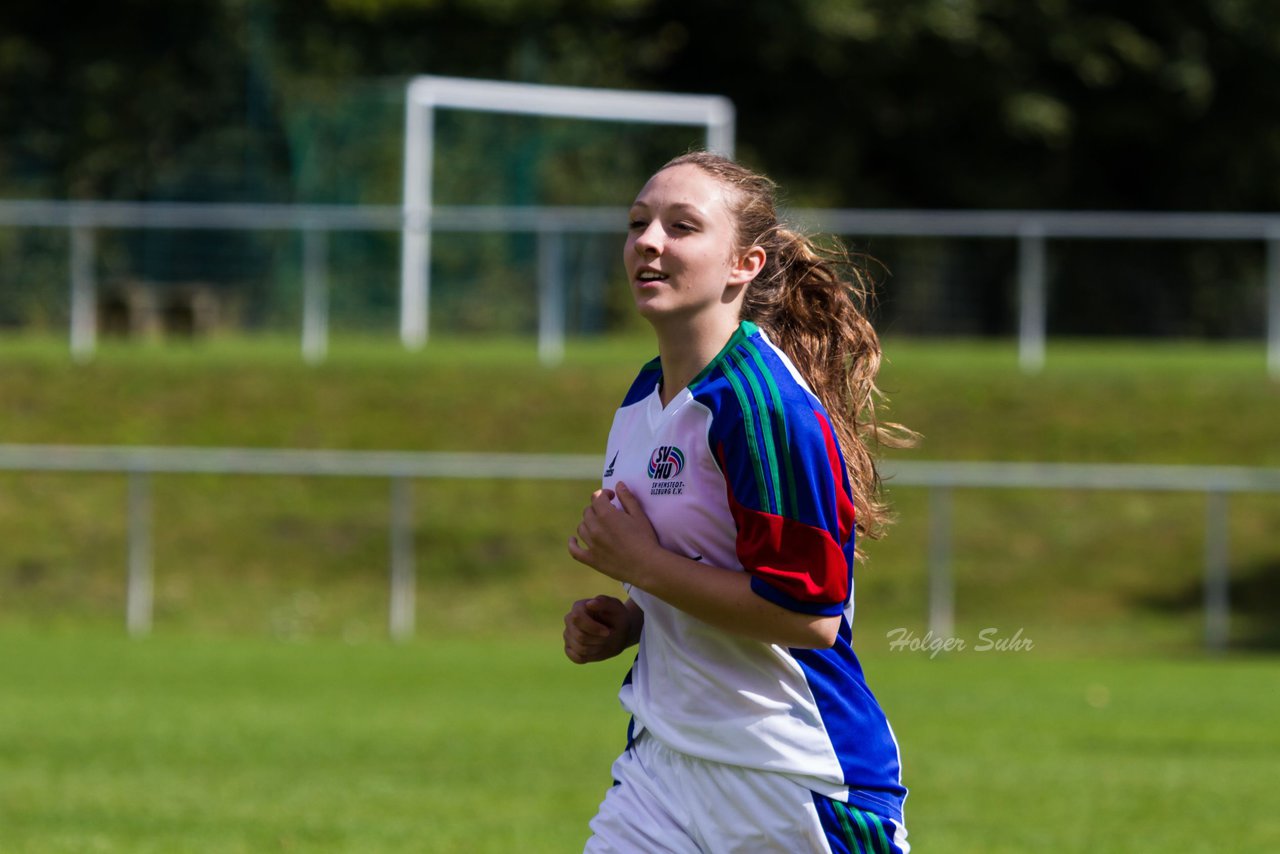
(738, 472)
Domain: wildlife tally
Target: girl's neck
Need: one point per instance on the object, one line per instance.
(686, 348)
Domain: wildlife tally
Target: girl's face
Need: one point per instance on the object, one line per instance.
(681, 252)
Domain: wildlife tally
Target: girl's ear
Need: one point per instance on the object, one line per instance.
(747, 266)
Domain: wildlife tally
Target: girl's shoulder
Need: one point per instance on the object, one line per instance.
(753, 378)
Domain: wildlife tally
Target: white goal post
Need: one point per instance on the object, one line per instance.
(427, 93)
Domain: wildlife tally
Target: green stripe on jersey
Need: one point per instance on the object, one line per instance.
(864, 832)
(764, 428)
(884, 840)
(861, 839)
(781, 415)
(850, 837)
(752, 447)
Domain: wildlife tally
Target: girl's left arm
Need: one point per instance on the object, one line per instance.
(621, 544)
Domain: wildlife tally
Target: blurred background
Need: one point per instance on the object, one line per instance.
(929, 104)
(194, 649)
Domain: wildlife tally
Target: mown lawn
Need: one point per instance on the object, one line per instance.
(492, 744)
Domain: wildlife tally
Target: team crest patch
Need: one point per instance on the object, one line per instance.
(665, 464)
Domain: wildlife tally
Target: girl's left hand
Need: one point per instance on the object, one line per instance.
(614, 541)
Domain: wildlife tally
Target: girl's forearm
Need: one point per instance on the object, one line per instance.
(723, 598)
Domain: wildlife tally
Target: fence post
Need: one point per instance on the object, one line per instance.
(315, 294)
(1273, 302)
(415, 234)
(138, 607)
(1032, 304)
(551, 302)
(84, 297)
(1217, 602)
(403, 590)
(941, 587)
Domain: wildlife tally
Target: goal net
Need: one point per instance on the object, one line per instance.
(560, 116)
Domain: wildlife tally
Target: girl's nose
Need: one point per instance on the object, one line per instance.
(648, 242)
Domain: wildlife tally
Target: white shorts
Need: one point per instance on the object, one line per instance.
(664, 802)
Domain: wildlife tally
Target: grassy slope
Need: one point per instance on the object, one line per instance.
(296, 557)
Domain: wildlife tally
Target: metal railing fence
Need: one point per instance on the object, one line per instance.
(941, 479)
(1031, 229)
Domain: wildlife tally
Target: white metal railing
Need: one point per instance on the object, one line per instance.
(401, 468)
(1031, 229)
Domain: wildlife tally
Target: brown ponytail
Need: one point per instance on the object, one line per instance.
(811, 300)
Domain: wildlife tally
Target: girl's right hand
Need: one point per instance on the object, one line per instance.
(596, 629)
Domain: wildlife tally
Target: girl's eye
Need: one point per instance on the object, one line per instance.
(637, 224)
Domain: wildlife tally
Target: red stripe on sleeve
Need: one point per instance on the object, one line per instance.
(845, 511)
(801, 562)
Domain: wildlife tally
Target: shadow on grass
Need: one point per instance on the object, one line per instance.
(1254, 601)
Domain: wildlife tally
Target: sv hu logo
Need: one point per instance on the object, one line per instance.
(666, 462)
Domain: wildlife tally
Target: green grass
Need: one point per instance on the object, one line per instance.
(267, 713)
(187, 743)
(191, 745)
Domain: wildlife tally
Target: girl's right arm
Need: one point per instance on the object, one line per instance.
(598, 629)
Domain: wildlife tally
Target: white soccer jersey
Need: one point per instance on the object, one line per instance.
(742, 469)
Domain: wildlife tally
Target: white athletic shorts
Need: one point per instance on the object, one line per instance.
(664, 802)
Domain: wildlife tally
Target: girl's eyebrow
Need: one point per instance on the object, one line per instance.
(682, 207)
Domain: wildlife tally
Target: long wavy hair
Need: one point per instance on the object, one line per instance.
(811, 298)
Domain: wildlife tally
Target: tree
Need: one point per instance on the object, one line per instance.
(854, 103)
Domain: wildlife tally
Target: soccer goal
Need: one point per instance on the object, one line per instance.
(426, 94)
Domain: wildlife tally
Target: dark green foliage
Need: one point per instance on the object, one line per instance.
(849, 103)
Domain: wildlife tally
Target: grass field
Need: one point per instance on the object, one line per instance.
(267, 712)
(452, 745)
